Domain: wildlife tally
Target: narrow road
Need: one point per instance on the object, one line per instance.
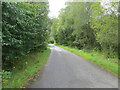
(67, 70)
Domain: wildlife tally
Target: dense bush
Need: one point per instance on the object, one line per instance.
(24, 27)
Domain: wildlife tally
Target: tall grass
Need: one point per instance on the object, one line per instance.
(98, 58)
(24, 71)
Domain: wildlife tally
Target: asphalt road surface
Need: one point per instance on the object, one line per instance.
(67, 70)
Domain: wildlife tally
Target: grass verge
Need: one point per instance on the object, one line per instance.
(108, 64)
(24, 72)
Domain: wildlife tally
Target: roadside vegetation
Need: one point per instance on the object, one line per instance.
(92, 30)
(26, 69)
(24, 41)
(97, 58)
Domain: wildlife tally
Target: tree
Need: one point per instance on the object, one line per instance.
(24, 28)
